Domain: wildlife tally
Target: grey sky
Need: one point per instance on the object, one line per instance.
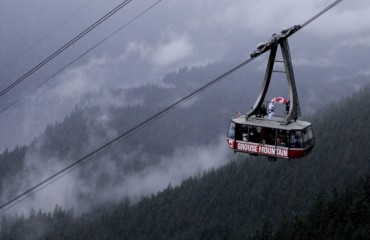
(174, 34)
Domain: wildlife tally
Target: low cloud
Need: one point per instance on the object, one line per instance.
(185, 162)
(172, 49)
(359, 42)
(107, 181)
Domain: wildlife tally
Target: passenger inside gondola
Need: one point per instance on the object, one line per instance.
(269, 136)
(296, 139)
(254, 134)
(282, 139)
(238, 133)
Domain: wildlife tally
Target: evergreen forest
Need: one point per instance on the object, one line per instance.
(322, 196)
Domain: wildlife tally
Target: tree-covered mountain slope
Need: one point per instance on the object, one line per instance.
(334, 216)
(232, 202)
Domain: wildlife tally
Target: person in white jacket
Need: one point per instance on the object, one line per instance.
(271, 110)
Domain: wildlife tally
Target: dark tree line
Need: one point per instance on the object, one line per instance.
(198, 209)
(339, 216)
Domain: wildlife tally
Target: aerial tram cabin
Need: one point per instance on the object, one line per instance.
(269, 137)
(273, 136)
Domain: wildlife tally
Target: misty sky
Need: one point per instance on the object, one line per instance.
(173, 34)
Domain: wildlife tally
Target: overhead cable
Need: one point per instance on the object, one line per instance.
(321, 13)
(124, 135)
(79, 57)
(117, 139)
(64, 47)
(46, 35)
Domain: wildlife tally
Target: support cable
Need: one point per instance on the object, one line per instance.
(45, 36)
(131, 131)
(321, 13)
(114, 141)
(79, 57)
(64, 47)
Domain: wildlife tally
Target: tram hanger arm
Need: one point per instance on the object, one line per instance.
(275, 40)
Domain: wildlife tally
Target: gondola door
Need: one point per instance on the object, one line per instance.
(268, 142)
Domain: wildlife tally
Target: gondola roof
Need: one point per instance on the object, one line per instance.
(275, 122)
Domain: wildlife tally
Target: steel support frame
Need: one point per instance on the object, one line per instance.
(294, 110)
